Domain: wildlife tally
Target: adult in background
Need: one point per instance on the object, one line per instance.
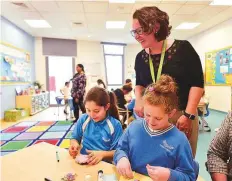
(78, 90)
(176, 58)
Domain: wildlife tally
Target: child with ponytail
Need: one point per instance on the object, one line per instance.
(153, 146)
(97, 132)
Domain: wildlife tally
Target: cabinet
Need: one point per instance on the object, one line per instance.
(35, 103)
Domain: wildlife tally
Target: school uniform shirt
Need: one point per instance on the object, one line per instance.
(167, 148)
(102, 136)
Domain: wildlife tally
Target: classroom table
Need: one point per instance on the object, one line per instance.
(39, 161)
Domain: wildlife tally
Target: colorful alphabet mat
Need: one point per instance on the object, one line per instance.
(27, 133)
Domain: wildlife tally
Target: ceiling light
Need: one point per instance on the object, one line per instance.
(38, 23)
(89, 36)
(221, 3)
(187, 26)
(122, 1)
(115, 24)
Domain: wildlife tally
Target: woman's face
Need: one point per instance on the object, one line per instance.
(146, 40)
(78, 69)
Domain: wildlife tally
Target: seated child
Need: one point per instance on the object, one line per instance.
(153, 146)
(99, 130)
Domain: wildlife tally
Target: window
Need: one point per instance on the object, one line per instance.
(114, 64)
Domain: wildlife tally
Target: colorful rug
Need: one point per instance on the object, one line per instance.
(27, 133)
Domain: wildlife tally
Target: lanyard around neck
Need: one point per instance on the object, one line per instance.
(160, 64)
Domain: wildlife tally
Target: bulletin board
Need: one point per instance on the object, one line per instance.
(15, 65)
(218, 67)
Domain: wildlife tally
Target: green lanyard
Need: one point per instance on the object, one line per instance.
(160, 64)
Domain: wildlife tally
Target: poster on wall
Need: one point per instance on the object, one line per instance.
(218, 67)
(15, 65)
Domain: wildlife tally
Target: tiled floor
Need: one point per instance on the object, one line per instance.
(50, 114)
(214, 119)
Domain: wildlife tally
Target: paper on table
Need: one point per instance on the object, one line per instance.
(82, 159)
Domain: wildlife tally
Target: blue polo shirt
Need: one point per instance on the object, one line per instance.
(102, 136)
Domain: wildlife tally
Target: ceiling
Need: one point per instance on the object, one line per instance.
(93, 14)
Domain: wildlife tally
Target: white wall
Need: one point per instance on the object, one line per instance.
(90, 54)
(131, 51)
(40, 63)
(217, 37)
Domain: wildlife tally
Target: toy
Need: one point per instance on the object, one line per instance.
(69, 177)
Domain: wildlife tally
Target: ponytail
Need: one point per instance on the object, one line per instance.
(113, 110)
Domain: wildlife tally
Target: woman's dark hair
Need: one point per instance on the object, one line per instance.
(81, 66)
(99, 81)
(102, 97)
(149, 16)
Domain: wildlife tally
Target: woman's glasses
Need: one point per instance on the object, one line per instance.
(138, 31)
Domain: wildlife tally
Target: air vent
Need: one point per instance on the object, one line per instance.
(21, 5)
(77, 24)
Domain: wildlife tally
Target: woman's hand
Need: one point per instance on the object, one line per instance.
(76, 100)
(184, 124)
(139, 107)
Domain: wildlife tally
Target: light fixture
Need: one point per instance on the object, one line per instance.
(122, 1)
(89, 36)
(187, 26)
(221, 3)
(38, 23)
(115, 24)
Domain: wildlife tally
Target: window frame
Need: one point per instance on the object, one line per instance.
(123, 61)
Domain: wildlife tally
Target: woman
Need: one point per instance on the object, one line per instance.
(78, 90)
(173, 57)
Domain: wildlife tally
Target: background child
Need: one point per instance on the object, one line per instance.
(120, 95)
(101, 84)
(99, 130)
(166, 153)
(66, 91)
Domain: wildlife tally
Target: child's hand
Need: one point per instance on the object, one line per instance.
(94, 157)
(158, 173)
(73, 150)
(124, 168)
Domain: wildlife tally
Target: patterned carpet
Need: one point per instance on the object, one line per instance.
(28, 133)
